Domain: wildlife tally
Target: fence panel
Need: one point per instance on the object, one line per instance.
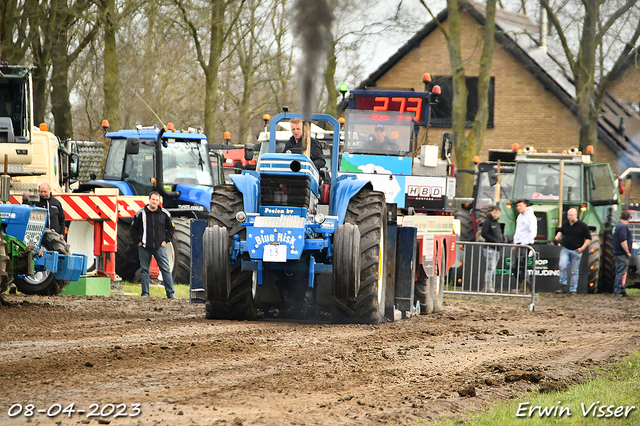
(493, 269)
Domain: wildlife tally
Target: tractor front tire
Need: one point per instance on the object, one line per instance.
(230, 291)
(127, 260)
(181, 272)
(607, 264)
(44, 282)
(466, 224)
(346, 263)
(593, 267)
(424, 296)
(367, 210)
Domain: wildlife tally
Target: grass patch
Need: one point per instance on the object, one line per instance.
(182, 290)
(615, 385)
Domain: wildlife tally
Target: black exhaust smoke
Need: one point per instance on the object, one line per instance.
(311, 23)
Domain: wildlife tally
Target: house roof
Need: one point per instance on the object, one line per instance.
(521, 38)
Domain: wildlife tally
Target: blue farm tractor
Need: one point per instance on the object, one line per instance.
(177, 165)
(268, 238)
(288, 239)
(35, 258)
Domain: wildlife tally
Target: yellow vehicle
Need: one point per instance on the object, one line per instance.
(33, 154)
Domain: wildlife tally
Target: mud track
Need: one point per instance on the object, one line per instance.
(186, 370)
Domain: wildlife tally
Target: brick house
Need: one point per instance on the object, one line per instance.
(532, 100)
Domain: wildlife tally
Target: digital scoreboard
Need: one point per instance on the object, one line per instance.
(388, 100)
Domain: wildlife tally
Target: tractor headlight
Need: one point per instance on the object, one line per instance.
(241, 216)
(319, 218)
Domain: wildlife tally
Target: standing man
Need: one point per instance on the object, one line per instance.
(56, 214)
(526, 231)
(576, 237)
(622, 243)
(294, 144)
(151, 230)
(492, 234)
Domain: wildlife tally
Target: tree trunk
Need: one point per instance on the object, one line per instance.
(464, 153)
(39, 78)
(111, 107)
(60, 104)
(213, 67)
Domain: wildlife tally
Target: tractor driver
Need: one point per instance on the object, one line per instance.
(550, 187)
(381, 143)
(294, 144)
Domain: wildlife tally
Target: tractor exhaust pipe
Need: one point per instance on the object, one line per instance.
(306, 138)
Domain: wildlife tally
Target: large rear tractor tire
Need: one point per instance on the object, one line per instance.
(367, 210)
(230, 292)
(181, 242)
(466, 224)
(4, 265)
(44, 282)
(607, 264)
(593, 267)
(127, 260)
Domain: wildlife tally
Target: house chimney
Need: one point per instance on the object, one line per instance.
(543, 27)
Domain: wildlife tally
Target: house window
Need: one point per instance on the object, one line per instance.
(441, 112)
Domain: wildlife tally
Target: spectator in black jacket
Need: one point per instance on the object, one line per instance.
(151, 230)
(56, 214)
(294, 144)
(492, 234)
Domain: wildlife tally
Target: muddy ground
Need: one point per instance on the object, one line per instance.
(185, 370)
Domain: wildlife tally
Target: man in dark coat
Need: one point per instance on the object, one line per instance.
(491, 233)
(56, 213)
(576, 237)
(294, 144)
(151, 230)
(622, 249)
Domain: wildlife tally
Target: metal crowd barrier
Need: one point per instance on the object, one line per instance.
(513, 263)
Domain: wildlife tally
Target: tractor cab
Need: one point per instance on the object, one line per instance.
(552, 183)
(178, 166)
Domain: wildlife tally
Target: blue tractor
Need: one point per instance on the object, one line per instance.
(35, 258)
(276, 231)
(173, 162)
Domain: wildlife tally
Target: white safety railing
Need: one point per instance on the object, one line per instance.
(493, 269)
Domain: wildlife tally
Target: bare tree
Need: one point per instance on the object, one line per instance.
(14, 29)
(111, 110)
(356, 22)
(466, 145)
(223, 17)
(593, 22)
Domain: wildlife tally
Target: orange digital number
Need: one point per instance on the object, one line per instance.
(402, 102)
(416, 109)
(385, 105)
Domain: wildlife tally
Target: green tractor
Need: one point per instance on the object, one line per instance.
(552, 184)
